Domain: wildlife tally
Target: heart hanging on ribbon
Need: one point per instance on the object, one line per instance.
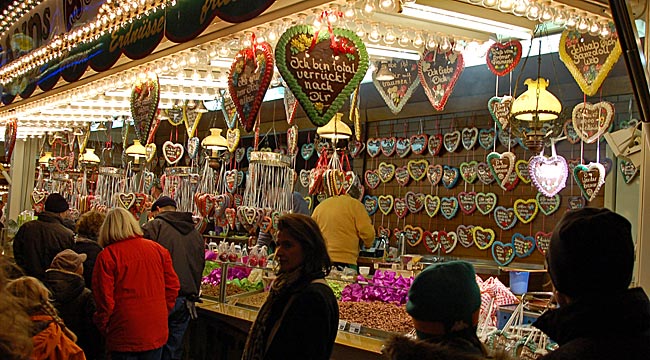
(523, 245)
(228, 109)
(467, 201)
(150, 152)
(191, 117)
(450, 176)
(126, 200)
(402, 175)
(506, 139)
(576, 202)
(414, 201)
(145, 95)
(501, 165)
(502, 58)
(172, 152)
(232, 139)
(469, 137)
(240, 153)
(591, 121)
(521, 167)
(465, 235)
(434, 145)
(628, 170)
(483, 237)
(547, 205)
(419, 143)
(452, 140)
(499, 108)
(292, 139)
(434, 174)
(431, 241)
(403, 147)
(526, 210)
(372, 178)
(11, 132)
(322, 68)
(448, 241)
(306, 151)
(386, 172)
(542, 241)
(388, 146)
(485, 202)
(486, 138)
(431, 204)
(384, 232)
(590, 178)
(468, 171)
(412, 234)
(570, 132)
(502, 253)
(290, 105)
(505, 218)
(39, 196)
(396, 91)
(356, 148)
(588, 67)
(61, 164)
(418, 169)
(401, 210)
(303, 177)
(438, 73)
(484, 173)
(386, 203)
(371, 204)
(448, 207)
(548, 174)
(373, 147)
(148, 180)
(250, 75)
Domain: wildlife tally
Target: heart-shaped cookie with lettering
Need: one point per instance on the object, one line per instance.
(484, 173)
(450, 176)
(401, 210)
(499, 108)
(591, 121)
(547, 205)
(384, 232)
(231, 180)
(172, 152)
(483, 237)
(469, 137)
(402, 175)
(371, 203)
(431, 204)
(501, 165)
(306, 151)
(388, 145)
(576, 202)
(431, 241)
(356, 148)
(240, 153)
(403, 147)
(419, 143)
(145, 95)
(438, 72)
(39, 196)
(628, 170)
(292, 139)
(486, 138)
(232, 139)
(467, 201)
(434, 173)
(304, 178)
(502, 253)
(521, 167)
(448, 241)
(61, 164)
(386, 172)
(548, 174)
(372, 178)
(465, 235)
(590, 179)
(570, 132)
(502, 58)
(524, 245)
(468, 171)
(418, 169)
(451, 140)
(414, 201)
(434, 145)
(505, 217)
(526, 210)
(385, 203)
(412, 234)
(448, 207)
(506, 139)
(373, 147)
(485, 202)
(542, 241)
(126, 200)
(321, 70)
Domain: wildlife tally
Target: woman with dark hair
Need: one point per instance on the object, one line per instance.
(299, 319)
(86, 242)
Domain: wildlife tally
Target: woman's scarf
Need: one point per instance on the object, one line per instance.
(282, 288)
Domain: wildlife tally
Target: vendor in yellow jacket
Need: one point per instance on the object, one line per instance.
(344, 222)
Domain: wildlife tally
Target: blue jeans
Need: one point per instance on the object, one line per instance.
(154, 354)
(177, 322)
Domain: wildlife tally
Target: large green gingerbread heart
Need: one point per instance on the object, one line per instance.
(321, 76)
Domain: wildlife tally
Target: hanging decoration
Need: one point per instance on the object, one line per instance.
(483, 237)
(431, 204)
(452, 140)
(503, 254)
(193, 144)
(499, 108)
(172, 152)
(145, 95)
(434, 145)
(232, 139)
(502, 58)
(549, 174)
(290, 105)
(589, 58)
(175, 114)
(396, 80)
(439, 72)
(591, 121)
(191, 117)
(465, 235)
(526, 210)
(322, 68)
(38, 199)
(628, 170)
(486, 138)
(547, 205)
(501, 166)
(82, 139)
(11, 131)
(250, 76)
(486, 202)
(150, 152)
(590, 179)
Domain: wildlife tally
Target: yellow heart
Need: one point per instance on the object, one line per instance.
(418, 169)
(386, 172)
(191, 117)
(232, 137)
(529, 206)
(150, 151)
(483, 238)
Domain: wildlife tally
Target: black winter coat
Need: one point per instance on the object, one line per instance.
(405, 348)
(76, 307)
(91, 248)
(37, 243)
(175, 232)
(603, 327)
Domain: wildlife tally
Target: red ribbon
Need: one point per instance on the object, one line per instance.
(249, 53)
(338, 45)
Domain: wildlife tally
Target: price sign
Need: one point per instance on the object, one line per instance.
(355, 328)
(342, 324)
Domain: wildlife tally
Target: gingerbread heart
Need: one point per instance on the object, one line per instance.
(590, 179)
(438, 72)
(524, 245)
(628, 170)
(591, 121)
(542, 241)
(402, 84)
(304, 178)
(451, 140)
(486, 138)
(547, 205)
(231, 180)
(418, 169)
(465, 235)
(193, 144)
(292, 139)
(172, 152)
(526, 210)
(499, 108)
(570, 132)
(372, 178)
(232, 139)
(483, 237)
(401, 210)
(431, 204)
(484, 173)
(388, 145)
(402, 175)
(548, 174)
(385, 203)
(450, 176)
(448, 241)
(414, 201)
(434, 174)
(521, 167)
(434, 145)
(431, 241)
(502, 58)
(469, 137)
(373, 147)
(467, 201)
(576, 202)
(486, 202)
(403, 147)
(371, 203)
(386, 172)
(384, 232)
(126, 200)
(419, 143)
(145, 95)
(505, 217)
(502, 253)
(306, 151)
(506, 139)
(501, 165)
(468, 171)
(39, 196)
(412, 234)
(448, 207)
(356, 148)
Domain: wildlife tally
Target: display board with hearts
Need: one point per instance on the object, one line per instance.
(502, 58)
(321, 68)
(145, 95)
(589, 58)
(590, 179)
(250, 76)
(438, 72)
(398, 90)
(502, 253)
(591, 121)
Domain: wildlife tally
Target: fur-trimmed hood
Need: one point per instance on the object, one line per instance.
(405, 348)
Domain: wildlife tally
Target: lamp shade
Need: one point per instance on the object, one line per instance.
(45, 159)
(335, 129)
(136, 150)
(536, 103)
(215, 141)
(89, 157)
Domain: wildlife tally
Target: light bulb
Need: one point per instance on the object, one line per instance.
(548, 14)
(520, 7)
(490, 3)
(360, 31)
(332, 17)
(387, 5)
(223, 51)
(594, 28)
(374, 35)
(560, 17)
(534, 11)
(418, 41)
(432, 43)
(506, 5)
(349, 10)
(389, 37)
(196, 76)
(571, 21)
(459, 46)
(445, 45)
(369, 8)
(404, 40)
(583, 24)
(605, 31)
(272, 34)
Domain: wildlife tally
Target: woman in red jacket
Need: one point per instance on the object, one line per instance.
(135, 287)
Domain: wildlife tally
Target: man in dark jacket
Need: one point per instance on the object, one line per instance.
(590, 261)
(175, 231)
(37, 242)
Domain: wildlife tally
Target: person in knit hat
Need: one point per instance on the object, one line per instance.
(444, 302)
(37, 242)
(590, 261)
